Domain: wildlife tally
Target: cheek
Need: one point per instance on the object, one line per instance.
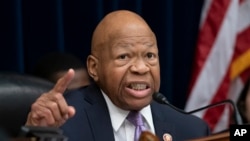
(112, 77)
(157, 78)
(115, 76)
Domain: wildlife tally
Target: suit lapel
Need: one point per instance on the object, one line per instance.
(162, 126)
(100, 121)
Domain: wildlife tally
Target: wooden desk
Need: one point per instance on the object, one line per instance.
(225, 136)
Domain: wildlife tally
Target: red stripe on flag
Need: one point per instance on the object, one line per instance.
(208, 34)
(242, 42)
(241, 1)
(242, 45)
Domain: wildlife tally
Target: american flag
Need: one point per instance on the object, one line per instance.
(222, 61)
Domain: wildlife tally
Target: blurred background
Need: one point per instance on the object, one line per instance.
(31, 28)
(203, 44)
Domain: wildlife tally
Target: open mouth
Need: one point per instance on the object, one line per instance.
(138, 86)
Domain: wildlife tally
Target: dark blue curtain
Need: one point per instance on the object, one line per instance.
(32, 28)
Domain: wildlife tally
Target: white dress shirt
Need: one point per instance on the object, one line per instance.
(122, 128)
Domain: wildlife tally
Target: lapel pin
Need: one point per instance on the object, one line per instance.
(167, 137)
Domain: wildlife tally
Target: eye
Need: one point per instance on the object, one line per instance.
(150, 55)
(123, 57)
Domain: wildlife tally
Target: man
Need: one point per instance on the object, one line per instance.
(124, 64)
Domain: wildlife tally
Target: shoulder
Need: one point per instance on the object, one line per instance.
(179, 119)
(89, 94)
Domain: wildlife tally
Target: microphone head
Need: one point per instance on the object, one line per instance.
(160, 98)
(148, 136)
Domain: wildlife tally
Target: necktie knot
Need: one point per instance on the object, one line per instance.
(135, 118)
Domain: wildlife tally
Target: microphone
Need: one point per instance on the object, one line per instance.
(160, 98)
(42, 133)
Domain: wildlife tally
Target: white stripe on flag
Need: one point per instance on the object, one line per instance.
(244, 16)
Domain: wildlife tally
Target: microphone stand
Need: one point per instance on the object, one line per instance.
(236, 114)
(160, 98)
(35, 133)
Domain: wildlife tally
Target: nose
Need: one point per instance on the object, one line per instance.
(139, 66)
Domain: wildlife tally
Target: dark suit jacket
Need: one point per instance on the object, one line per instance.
(92, 121)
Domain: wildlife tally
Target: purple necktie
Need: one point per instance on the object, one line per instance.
(136, 119)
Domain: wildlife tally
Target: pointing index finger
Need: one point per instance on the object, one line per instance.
(62, 84)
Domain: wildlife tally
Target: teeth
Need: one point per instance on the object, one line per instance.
(138, 86)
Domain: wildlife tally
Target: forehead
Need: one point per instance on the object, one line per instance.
(131, 34)
(129, 30)
(132, 41)
(120, 26)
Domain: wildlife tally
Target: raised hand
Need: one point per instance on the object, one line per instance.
(51, 109)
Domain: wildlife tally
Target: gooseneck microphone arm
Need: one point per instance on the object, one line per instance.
(163, 100)
(236, 114)
(160, 98)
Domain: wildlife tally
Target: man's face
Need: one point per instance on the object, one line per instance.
(128, 69)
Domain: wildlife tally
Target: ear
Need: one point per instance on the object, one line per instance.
(92, 65)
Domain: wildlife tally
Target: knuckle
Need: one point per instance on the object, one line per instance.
(53, 106)
(58, 97)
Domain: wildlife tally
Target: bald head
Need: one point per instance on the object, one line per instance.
(124, 60)
(118, 24)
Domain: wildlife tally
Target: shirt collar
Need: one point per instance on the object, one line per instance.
(118, 115)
